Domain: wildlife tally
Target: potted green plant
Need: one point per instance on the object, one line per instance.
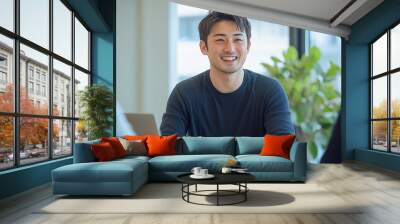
(96, 102)
(313, 98)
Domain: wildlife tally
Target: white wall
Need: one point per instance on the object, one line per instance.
(143, 58)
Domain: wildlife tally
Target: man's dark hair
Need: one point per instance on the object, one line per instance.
(213, 17)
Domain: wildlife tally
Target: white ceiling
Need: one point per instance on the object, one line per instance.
(321, 9)
(315, 15)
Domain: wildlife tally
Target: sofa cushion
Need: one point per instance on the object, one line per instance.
(135, 137)
(257, 163)
(103, 152)
(277, 145)
(116, 145)
(185, 163)
(207, 145)
(249, 145)
(161, 145)
(134, 147)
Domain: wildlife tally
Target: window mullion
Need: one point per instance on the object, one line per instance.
(73, 82)
(389, 106)
(50, 81)
(16, 84)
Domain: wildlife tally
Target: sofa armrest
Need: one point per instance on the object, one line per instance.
(298, 155)
(83, 152)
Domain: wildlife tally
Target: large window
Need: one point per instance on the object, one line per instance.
(44, 64)
(385, 94)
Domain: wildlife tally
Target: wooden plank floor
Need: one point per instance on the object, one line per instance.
(377, 189)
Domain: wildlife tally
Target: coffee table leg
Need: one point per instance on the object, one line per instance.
(217, 194)
(245, 191)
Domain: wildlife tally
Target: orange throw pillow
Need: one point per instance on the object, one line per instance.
(135, 137)
(277, 145)
(161, 145)
(116, 145)
(103, 152)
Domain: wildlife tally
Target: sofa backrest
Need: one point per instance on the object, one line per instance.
(249, 145)
(83, 152)
(206, 145)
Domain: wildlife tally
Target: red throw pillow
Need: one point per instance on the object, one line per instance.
(277, 145)
(103, 151)
(116, 145)
(161, 145)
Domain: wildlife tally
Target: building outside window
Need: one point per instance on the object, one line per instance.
(30, 72)
(38, 89)
(44, 77)
(43, 90)
(3, 60)
(30, 87)
(34, 79)
(384, 92)
(3, 79)
(37, 75)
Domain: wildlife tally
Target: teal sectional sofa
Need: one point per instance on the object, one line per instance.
(125, 176)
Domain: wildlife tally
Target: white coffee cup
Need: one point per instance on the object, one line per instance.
(196, 170)
(203, 172)
(226, 170)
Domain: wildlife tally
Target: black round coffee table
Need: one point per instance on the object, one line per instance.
(238, 179)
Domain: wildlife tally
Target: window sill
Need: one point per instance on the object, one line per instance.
(26, 167)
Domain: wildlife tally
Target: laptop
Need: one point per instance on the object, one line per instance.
(142, 124)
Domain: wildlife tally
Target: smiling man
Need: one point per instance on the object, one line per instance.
(227, 100)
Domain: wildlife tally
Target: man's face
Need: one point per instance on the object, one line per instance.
(227, 47)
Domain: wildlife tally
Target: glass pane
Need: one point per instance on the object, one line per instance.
(262, 35)
(395, 94)
(81, 45)
(379, 135)
(35, 21)
(379, 55)
(6, 74)
(81, 81)
(395, 47)
(62, 89)
(379, 99)
(34, 82)
(81, 131)
(395, 136)
(33, 139)
(62, 29)
(7, 14)
(6, 142)
(329, 45)
(62, 138)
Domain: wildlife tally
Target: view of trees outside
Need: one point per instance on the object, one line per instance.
(33, 131)
(381, 138)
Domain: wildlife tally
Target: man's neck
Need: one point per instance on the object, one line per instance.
(226, 82)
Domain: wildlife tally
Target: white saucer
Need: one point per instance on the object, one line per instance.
(208, 176)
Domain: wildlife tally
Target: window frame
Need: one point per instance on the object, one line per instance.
(16, 115)
(388, 74)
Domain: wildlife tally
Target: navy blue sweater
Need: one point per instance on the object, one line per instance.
(258, 107)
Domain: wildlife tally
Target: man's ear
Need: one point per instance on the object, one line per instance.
(248, 45)
(203, 47)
